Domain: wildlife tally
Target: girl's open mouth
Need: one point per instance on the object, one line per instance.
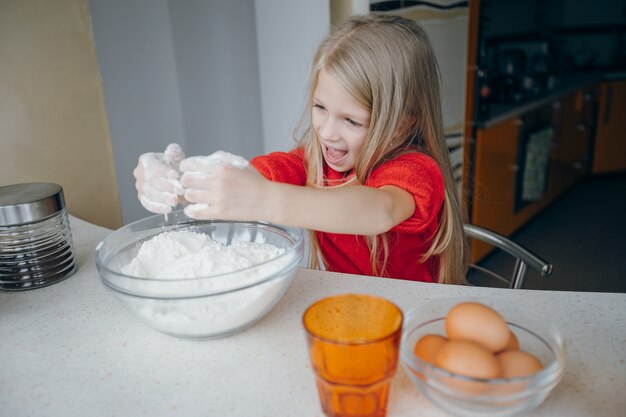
(334, 156)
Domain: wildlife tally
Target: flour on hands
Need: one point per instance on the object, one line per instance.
(158, 186)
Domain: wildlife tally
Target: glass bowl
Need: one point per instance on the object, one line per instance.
(464, 396)
(205, 307)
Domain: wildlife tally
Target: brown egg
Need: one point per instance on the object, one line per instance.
(479, 323)
(512, 344)
(468, 358)
(427, 347)
(516, 363)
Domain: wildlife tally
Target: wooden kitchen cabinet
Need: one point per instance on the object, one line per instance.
(574, 129)
(501, 150)
(495, 173)
(609, 151)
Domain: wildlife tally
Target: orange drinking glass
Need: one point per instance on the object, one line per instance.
(353, 342)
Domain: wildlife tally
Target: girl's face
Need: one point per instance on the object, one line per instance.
(339, 121)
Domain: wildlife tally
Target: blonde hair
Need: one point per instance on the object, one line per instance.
(386, 63)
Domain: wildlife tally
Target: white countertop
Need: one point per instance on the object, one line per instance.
(70, 349)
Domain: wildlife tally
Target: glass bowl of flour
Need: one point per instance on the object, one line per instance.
(199, 279)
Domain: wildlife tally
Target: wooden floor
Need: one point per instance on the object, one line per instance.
(583, 234)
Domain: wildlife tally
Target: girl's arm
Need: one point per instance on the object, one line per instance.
(230, 193)
(351, 209)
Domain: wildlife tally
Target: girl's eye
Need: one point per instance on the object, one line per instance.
(318, 106)
(353, 123)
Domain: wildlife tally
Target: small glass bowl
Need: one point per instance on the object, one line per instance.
(204, 307)
(464, 396)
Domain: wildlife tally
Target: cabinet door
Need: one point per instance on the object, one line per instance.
(574, 133)
(586, 107)
(610, 141)
(570, 157)
(495, 173)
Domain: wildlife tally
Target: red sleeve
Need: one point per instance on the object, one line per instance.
(419, 175)
(287, 167)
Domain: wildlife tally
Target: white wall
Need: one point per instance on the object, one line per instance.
(136, 56)
(216, 61)
(288, 33)
(209, 74)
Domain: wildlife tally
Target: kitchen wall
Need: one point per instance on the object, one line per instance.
(288, 33)
(210, 75)
(53, 125)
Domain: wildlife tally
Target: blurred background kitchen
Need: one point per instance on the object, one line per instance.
(534, 105)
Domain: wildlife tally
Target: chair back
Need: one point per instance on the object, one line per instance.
(524, 258)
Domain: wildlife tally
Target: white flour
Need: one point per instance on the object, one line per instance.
(184, 254)
(223, 307)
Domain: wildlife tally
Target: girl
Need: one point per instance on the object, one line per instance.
(370, 175)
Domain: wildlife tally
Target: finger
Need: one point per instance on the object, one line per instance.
(196, 163)
(154, 164)
(139, 186)
(219, 158)
(157, 196)
(138, 172)
(165, 185)
(226, 158)
(153, 206)
(174, 154)
(195, 179)
(198, 211)
(139, 179)
(195, 195)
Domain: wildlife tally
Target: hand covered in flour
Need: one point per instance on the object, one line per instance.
(222, 186)
(157, 179)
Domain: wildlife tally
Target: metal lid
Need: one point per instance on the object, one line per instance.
(28, 202)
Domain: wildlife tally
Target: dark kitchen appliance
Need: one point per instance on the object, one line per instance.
(524, 70)
(509, 81)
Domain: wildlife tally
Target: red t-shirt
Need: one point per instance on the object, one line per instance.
(415, 173)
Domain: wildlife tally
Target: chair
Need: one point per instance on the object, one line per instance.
(524, 258)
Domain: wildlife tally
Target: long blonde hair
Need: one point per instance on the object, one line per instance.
(386, 63)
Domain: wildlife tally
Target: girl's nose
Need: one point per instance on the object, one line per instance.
(329, 129)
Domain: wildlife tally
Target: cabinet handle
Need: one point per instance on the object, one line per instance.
(556, 123)
(607, 103)
(578, 166)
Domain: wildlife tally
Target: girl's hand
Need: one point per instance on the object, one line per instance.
(156, 179)
(224, 190)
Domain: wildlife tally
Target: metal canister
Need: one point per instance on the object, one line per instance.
(36, 247)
